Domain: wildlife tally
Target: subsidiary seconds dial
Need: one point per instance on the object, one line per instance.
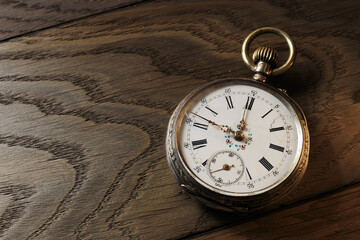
(225, 167)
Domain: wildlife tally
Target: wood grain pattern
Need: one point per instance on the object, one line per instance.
(334, 216)
(84, 109)
(19, 17)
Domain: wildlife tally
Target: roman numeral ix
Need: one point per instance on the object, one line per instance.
(199, 144)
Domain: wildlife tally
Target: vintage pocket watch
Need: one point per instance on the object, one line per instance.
(239, 145)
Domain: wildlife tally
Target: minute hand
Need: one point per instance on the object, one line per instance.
(224, 128)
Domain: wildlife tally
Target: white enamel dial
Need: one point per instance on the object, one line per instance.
(265, 157)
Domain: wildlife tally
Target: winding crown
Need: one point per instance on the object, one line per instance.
(266, 54)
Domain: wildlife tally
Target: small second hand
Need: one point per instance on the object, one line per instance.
(209, 121)
(225, 167)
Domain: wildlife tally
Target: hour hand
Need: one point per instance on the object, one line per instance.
(239, 135)
(242, 124)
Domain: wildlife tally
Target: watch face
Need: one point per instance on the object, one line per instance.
(239, 137)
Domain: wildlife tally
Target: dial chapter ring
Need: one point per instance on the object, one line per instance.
(248, 40)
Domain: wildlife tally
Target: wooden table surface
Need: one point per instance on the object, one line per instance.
(87, 89)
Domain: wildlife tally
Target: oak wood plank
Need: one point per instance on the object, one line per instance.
(335, 216)
(19, 17)
(84, 109)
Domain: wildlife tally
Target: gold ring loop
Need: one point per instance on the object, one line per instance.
(260, 31)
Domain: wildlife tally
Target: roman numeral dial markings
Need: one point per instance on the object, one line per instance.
(199, 143)
(276, 129)
(248, 174)
(201, 126)
(250, 103)
(276, 147)
(266, 164)
(267, 113)
(230, 104)
(212, 111)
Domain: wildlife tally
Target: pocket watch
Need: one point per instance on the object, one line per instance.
(240, 145)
